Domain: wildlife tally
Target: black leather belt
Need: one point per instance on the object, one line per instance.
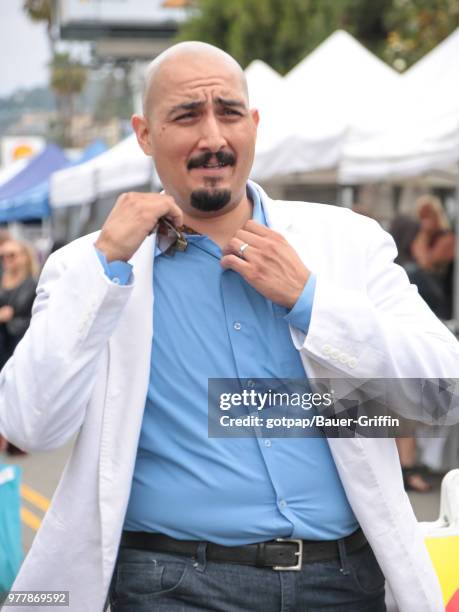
(279, 554)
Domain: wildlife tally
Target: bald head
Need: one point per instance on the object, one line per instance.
(198, 127)
(182, 52)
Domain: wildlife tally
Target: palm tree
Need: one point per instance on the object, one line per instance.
(68, 79)
(42, 10)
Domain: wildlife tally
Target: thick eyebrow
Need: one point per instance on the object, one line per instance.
(198, 104)
(228, 102)
(186, 106)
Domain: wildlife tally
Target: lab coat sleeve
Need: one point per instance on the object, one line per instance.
(46, 385)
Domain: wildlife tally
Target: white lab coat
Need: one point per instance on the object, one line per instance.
(83, 366)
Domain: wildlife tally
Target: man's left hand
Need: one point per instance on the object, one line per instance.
(269, 263)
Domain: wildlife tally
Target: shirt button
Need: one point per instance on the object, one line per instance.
(116, 280)
(268, 443)
(237, 326)
(282, 503)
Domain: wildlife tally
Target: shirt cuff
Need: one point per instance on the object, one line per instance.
(119, 272)
(300, 315)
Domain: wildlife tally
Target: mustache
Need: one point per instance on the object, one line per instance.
(223, 157)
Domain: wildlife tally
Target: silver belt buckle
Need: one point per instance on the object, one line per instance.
(298, 553)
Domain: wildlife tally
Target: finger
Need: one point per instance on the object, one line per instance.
(234, 247)
(167, 208)
(254, 240)
(233, 262)
(263, 231)
(175, 215)
(257, 228)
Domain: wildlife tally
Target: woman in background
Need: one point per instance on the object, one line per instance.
(426, 251)
(17, 293)
(433, 250)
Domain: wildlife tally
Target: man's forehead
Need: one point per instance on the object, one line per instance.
(190, 76)
(205, 96)
(196, 75)
(199, 97)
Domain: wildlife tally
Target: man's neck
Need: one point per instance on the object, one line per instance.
(222, 227)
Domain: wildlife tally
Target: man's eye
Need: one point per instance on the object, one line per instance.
(185, 116)
(230, 111)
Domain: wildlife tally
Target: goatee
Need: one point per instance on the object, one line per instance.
(207, 200)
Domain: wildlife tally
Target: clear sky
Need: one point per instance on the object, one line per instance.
(24, 51)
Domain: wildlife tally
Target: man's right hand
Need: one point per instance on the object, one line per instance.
(134, 216)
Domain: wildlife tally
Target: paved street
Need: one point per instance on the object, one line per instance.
(41, 473)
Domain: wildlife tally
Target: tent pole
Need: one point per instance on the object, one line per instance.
(136, 77)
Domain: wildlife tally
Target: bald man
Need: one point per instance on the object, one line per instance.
(213, 280)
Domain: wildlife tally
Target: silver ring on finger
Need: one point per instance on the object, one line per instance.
(242, 248)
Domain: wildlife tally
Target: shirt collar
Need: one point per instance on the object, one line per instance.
(258, 213)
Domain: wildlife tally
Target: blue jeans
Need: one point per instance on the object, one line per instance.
(146, 581)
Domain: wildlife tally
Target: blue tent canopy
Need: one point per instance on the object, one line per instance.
(26, 195)
(93, 150)
(52, 158)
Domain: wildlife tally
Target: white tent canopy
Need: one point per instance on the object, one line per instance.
(122, 167)
(407, 150)
(304, 119)
(276, 143)
(337, 80)
(309, 117)
(266, 94)
(439, 65)
(419, 130)
(340, 107)
(261, 79)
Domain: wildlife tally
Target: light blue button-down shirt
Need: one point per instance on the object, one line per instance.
(210, 323)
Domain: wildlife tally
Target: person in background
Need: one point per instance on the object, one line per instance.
(17, 293)
(4, 236)
(405, 230)
(433, 251)
(414, 236)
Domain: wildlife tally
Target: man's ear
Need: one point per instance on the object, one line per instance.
(142, 131)
(255, 116)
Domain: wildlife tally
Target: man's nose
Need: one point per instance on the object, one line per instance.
(212, 137)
